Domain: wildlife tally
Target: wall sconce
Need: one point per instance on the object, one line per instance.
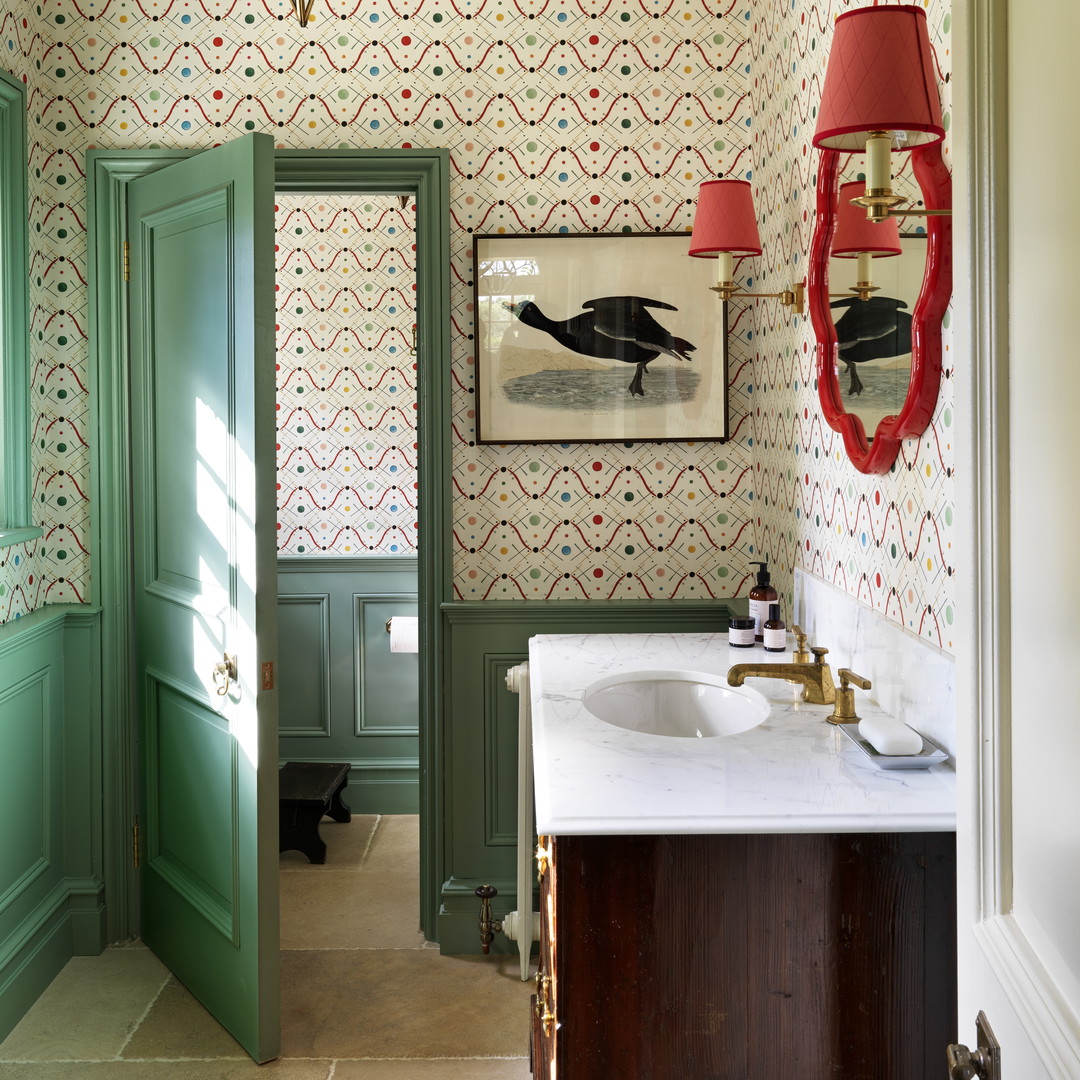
(857, 237)
(725, 223)
(879, 91)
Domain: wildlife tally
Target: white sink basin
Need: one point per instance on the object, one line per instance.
(682, 704)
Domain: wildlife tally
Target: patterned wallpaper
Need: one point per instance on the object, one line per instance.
(886, 540)
(346, 384)
(575, 115)
(567, 115)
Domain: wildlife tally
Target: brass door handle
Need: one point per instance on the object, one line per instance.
(983, 1062)
(963, 1064)
(225, 670)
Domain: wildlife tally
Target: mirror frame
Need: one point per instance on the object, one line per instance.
(877, 455)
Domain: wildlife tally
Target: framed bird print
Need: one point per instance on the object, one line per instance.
(597, 338)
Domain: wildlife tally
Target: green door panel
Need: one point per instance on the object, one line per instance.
(203, 499)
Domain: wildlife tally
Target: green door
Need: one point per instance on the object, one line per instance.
(201, 236)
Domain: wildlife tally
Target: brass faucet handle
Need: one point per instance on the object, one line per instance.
(844, 706)
(819, 654)
(848, 676)
(800, 655)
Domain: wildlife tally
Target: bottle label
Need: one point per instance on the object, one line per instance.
(759, 612)
(741, 638)
(775, 640)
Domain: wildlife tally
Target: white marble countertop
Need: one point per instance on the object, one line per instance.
(792, 773)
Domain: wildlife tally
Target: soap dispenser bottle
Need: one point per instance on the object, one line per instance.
(761, 596)
(775, 631)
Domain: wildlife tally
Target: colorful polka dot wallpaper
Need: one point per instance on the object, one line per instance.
(571, 115)
(346, 378)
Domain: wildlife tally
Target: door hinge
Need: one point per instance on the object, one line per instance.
(135, 853)
(268, 675)
(127, 261)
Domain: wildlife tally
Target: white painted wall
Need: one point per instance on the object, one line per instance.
(1019, 718)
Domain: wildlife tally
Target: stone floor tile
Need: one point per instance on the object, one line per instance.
(169, 1070)
(395, 846)
(177, 1026)
(350, 911)
(440, 1069)
(410, 1003)
(90, 1009)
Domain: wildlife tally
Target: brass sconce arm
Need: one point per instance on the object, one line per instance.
(793, 298)
(881, 204)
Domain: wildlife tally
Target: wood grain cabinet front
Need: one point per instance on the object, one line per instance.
(746, 957)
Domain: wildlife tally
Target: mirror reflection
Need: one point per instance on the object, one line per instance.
(873, 335)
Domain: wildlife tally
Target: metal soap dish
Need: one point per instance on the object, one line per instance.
(930, 754)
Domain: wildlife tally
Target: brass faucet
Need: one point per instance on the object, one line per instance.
(816, 678)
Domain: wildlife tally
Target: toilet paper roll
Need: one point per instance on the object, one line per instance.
(404, 633)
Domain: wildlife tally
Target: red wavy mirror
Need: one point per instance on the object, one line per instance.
(877, 452)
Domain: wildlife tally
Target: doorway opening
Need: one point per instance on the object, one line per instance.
(423, 174)
(347, 478)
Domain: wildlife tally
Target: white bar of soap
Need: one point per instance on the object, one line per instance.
(890, 736)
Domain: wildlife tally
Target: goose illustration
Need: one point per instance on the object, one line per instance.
(871, 329)
(616, 328)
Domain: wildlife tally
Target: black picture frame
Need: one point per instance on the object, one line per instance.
(552, 367)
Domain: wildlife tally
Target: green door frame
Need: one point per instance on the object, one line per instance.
(421, 173)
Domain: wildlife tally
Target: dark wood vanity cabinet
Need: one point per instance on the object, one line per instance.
(822, 957)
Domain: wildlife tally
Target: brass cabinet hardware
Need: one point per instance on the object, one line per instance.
(543, 1003)
(844, 707)
(983, 1062)
(543, 856)
(224, 674)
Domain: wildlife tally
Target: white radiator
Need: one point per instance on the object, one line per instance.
(523, 926)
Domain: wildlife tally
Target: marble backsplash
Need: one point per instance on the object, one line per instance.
(912, 679)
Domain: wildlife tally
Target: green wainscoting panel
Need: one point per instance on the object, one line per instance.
(51, 893)
(386, 682)
(344, 695)
(304, 667)
(480, 731)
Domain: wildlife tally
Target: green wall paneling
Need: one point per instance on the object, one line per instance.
(51, 892)
(479, 820)
(344, 695)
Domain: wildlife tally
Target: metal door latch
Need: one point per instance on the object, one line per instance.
(225, 670)
(983, 1062)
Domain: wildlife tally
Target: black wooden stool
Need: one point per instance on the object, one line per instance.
(308, 790)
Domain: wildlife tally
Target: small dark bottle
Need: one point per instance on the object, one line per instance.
(761, 596)
(774, 631)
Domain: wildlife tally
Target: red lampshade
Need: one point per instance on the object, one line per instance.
(724, 220)
(855, 233)
(880, 78)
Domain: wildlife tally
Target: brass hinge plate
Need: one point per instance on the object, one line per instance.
(127, 261)
(268, 675)
(135, 852)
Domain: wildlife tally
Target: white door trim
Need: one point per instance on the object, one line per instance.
(990, 932)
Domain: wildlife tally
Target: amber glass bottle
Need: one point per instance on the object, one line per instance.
(761, 596)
